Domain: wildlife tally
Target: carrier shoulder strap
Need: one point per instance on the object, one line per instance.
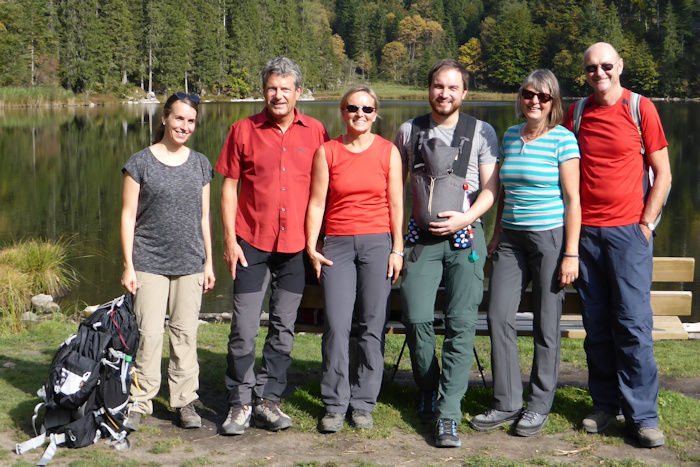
(463, 138)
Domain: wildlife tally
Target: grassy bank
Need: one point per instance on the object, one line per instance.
(28, 268)
(36, 97)
(22, 372)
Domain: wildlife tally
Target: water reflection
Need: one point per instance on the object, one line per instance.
(61, 175)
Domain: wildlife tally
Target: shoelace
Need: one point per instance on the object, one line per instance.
(429, 399)
(529, 416)
(452, 428)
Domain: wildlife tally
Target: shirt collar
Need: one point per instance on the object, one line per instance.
(262, 119)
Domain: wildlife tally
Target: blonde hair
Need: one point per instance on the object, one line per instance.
(542, 79)
(360, 88)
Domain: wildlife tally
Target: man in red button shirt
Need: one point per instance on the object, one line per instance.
(269, 157)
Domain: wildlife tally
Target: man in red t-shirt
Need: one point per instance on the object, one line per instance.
(268, 156)
(617, 248)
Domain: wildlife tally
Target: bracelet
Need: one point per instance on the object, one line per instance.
(570, 256)
(400, 253)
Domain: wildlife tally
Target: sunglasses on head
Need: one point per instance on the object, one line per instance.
(354, 108)
(193, 97)
(542, 96)
(594, 68)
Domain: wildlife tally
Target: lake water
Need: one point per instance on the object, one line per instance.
(60, 174)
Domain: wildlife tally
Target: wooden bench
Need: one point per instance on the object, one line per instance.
(668, 305)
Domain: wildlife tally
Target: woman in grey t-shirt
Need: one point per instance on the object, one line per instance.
(166, 242)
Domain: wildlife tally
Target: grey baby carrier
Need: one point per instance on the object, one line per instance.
(439, 171)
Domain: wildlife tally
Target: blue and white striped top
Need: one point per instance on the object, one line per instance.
(530, 177)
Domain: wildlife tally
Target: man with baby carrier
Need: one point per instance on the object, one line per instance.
(452, 158)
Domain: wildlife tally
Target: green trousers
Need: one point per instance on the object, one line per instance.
(427, 265)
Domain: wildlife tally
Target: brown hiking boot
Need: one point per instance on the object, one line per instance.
(189, 417)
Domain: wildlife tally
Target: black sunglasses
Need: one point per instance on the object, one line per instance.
(354, 108)
(193, 97)
(542, 96)
(594, 68)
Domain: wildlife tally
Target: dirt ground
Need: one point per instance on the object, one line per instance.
(160, 442)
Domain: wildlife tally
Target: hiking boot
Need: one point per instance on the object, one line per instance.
(189, 417)
(332, 422)
(597, 422)
(531, 423)
(648, 436)
(426, 406)
(446, 433)
(267, 414)
(362, 419)
(493, 418)
(132, 421)
(238, 420)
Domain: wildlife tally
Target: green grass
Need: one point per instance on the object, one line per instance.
(24, 370)
(27, 268)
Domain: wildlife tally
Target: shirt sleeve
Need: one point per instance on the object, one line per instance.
(228, 164)
(403, 141)
(135, 167)
(488, 150)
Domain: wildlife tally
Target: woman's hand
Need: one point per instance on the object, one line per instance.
(395, 266)
(129, 280)
(318, 261)
(568, 272)
(209, 278)
(493, 243)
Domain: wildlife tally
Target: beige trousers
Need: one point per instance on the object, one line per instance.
(181, 298)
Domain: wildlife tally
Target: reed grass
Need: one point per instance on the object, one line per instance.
(36, 96)
(27, 268)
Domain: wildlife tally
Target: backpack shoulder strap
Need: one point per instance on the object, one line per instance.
(420, 126)
(463, 138)
(578, 113)
(637, 116)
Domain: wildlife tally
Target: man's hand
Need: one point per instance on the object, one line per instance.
(454, 222)
(233, 254)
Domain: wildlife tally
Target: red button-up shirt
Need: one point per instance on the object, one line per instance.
(274, 173)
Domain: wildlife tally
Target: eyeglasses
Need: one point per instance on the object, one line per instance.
(193, 97)
(354, 108)
(542, 96)
(604, 66)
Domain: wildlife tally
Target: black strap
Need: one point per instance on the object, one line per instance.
(463, 138)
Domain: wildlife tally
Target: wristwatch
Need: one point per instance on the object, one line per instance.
(648, 225)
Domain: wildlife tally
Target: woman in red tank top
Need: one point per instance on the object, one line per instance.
(357, 197)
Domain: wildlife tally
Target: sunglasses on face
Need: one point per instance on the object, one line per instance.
(193, 97)
(354, 108)
(594, 68)
(542, 96)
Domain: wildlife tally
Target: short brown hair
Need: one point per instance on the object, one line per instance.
(452, 65)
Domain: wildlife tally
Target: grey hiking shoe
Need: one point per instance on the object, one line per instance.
(332, 422)
(597, 422)
(238, 419)
(493, 418)
(531, 423)
(188, 417)
(132, 421)
(446, 433)
(267, 414)
(362, 419)
(648, 436)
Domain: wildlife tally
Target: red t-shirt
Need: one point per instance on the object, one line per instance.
(274, 173)
(357, 202)
(612, 166)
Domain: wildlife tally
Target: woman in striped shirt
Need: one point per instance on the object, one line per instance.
(535, 240)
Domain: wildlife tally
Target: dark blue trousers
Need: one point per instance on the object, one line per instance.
(614, 286)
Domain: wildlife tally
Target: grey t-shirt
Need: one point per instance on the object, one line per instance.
(168, 236)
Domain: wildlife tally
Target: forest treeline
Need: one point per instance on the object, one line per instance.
(218, 47)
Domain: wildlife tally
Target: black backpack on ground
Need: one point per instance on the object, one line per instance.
(87, 390)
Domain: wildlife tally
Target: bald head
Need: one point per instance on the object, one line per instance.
(601, 48)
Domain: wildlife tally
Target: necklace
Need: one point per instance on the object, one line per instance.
(530, 137)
